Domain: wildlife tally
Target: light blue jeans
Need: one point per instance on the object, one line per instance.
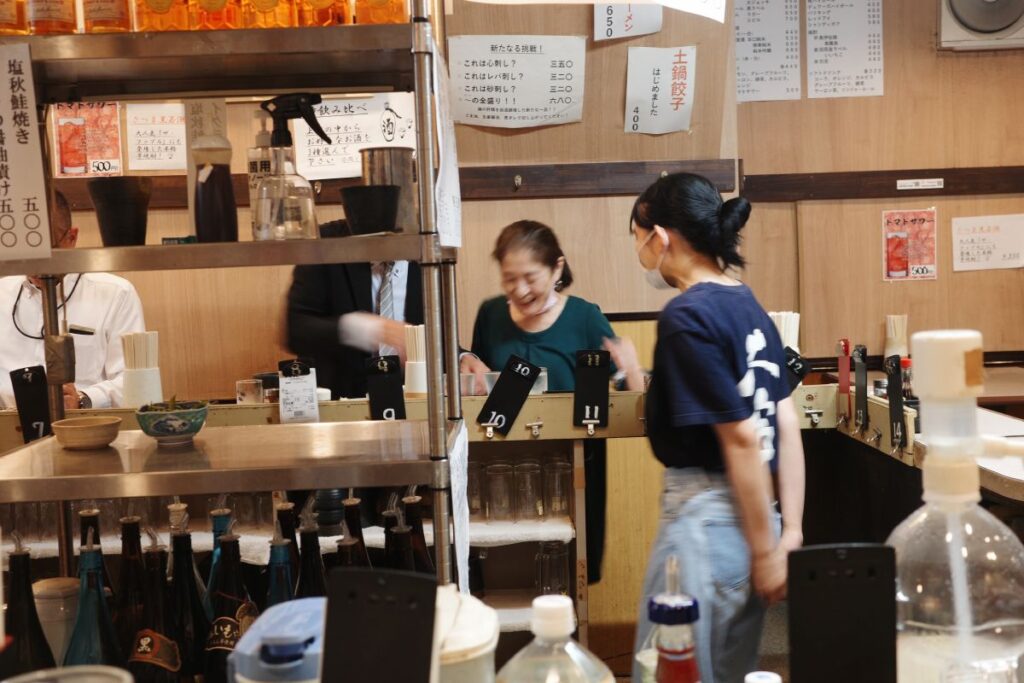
(700, 525)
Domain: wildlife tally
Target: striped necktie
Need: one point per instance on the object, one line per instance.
(385, 294)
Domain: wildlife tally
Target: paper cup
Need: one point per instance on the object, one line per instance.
(142, 386)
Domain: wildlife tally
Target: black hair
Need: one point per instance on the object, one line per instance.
(691, 205)
(540, 240)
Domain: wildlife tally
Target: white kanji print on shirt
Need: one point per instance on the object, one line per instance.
(749, 387)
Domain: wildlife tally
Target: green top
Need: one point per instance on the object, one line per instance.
(580, 327)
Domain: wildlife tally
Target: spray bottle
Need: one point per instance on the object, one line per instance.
(258, 166)
(284, 199)
(959, 570)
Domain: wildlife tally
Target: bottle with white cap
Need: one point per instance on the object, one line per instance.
(667, 655)
(762, 677)
(553, 656)
(959, 570)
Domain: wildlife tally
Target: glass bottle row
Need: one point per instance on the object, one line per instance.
(47, 17)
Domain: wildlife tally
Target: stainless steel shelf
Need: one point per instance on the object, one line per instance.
(138, 65)
(361, 248)
(224, 459)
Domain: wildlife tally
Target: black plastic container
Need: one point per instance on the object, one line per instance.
(370, 208)
(122, 206)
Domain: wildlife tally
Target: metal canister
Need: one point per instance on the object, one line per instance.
(395, 166)
(882, 388)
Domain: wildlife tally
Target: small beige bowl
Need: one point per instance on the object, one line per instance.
(85, 433)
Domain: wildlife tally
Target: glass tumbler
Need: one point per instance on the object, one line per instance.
(500, 492)
(249, 391)
(475, 490)
(557, 487)
(529, 493)
(553, 568)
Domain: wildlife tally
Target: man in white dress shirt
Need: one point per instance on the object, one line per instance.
(101, 302)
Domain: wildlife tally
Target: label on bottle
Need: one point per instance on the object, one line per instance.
(105, 10)
(156, 649)
(159, 6)
(212, 5)
(225, 632)
(8, 12)
(52, 10)
(264, 5)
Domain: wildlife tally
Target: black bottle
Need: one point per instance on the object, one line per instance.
(414, 518)
(89, 518)
(128, 607)
(285, 515)
(155, 655)
(398, 542)
(93, 640)
(29, 650)
(312, 578)
(191, 623)
(354, 524)
(233, 611)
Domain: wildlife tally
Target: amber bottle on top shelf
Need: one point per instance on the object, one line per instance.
(106, 16)
(46, 17)
(324, 12)
(381, 12)
(268, 13)
(12, 18)
(161, 15)
(214, 15)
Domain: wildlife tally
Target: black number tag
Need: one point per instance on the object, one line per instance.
(860, 376)
(797, 367)
(508, 396)
(32, 400)
(384, 382)
(897, 433)
(590, 400)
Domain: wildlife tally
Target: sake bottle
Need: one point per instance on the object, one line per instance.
(351, 551)
(192, 625)
(127, 615)
(233, 611)
(89, 518)
(285, 515)
(29, 650)
(93, 640)
(414, 518)
(220, 520)
(155, 655)
(355, 529)
(312, 577)
(280, 587)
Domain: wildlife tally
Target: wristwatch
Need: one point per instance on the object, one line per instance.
(84, 401)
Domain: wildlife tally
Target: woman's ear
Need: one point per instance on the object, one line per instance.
(559, 268)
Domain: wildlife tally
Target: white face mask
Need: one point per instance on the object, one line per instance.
(548, 305)
(653, 276)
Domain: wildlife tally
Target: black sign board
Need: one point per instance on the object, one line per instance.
(384, 383)
(897, 431)
(32, 400)
(508, 396)
(590, 400)
(797, 367)
(860, 377)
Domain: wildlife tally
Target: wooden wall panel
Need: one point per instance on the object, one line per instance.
(770, 247)
(842, 293)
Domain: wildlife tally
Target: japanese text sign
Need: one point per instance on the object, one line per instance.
(710, 9)
(908, 245)
(626, 21)
(660, 89)
(87, 138)
(156, 137)
(767, 34)
(988, 242)
(844, 48)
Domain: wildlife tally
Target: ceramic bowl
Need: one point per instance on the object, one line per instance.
(172, 427)
(86, 433)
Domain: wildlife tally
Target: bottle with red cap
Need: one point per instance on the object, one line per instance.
(668, 655)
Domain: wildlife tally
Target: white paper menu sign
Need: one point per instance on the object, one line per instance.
(517, 81)
(626, 21)
(710, 9)
(988, 242)
(156, 137)
(659, 89)
(352, 124)
(767, 34)
(24, 221)
(297, 398)
(844, 48)
(447, 191)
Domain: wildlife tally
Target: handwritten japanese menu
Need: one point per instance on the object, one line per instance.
(87, 138)
(844, 48)
(24, 222)
(659, 89)
(156, 137)
(382, 120)
(517, 81)
(710, 9)
(988, 242)
(908, 245)
(447, 191)
(767, 50)
(626, 21)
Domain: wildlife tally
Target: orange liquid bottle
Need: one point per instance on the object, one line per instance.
(46, 17)
(106, 16)
(381, 12)
(161, 15)
(215, 15)
(12, 18)
(324, 12)
(269, 13)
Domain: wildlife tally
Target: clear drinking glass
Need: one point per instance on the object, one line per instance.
(500, 492)
(529, 492)
(553, 568)
(249, 391)
(557, 488)
(475, 490)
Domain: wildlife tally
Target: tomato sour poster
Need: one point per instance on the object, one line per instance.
(908, 245)
(87, 139)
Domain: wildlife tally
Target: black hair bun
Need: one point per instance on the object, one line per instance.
(733, 215)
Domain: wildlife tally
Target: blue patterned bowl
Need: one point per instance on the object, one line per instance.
(172, 427)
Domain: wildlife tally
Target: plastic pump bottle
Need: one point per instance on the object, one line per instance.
(667, 655)
(959, 570)
(553, 656)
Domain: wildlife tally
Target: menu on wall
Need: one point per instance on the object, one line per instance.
(24, 221)
(908, 245)
(517, 81)
(448, 190)
(626, 21)
(711, 9)
(767, 34)
(156, 137)
(87, 139)
(988, 242)
(353, 123)
(844, 48)
(659, 89)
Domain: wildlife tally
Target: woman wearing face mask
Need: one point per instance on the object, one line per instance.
(536, 321)
(721, 420)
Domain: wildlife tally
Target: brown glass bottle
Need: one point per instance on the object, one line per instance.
(155, 655)
(106, 16)
(233, 612)
(191, 623)
(215, 15)
(381, 12)
(128, 605)
(323, 12)
(414, 518)
(29, 649)
(312, 581)
(12, 18)
(269, 13)
(46, 17)
(285, 514)
(355, 530)
(161, 15)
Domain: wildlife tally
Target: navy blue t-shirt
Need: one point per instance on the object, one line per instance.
(718, 359)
